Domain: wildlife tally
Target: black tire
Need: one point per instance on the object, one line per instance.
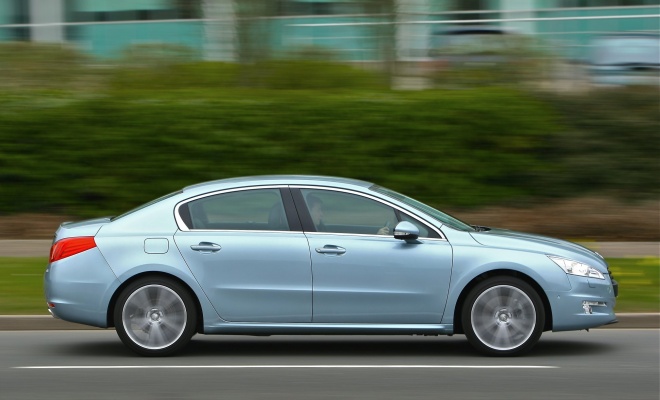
(503, 316)
(155, 316)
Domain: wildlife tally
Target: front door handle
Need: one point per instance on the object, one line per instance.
(329, 249)
(206, 247)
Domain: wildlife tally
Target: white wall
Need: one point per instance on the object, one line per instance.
(412, 39)
(219, 33)
(47, 12)
(509, 10)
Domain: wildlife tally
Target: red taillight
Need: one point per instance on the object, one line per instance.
(67, 247)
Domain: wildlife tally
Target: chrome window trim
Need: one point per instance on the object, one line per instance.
(240, 231)
(368, 235)
(183, 227)
(382, 201)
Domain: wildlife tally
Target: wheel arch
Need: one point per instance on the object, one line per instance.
(458, 325)
(113, 300)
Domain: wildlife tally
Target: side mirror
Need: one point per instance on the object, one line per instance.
(405, 230)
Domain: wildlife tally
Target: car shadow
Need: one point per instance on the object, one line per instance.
(562, 348)
(404, 346)
(340, 346)
(324, 347)
(110, 348)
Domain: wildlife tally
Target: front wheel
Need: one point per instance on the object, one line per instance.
(503, 316)
(155, 316)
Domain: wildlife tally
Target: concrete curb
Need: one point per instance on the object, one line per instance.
(47, 323)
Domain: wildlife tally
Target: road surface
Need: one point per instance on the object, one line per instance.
(601, 364)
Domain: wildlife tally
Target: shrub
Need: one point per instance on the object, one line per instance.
(30, 65)
(105, 155)
(611, 141)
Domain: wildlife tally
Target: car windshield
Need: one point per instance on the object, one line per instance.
(445, 219)
(167, 196)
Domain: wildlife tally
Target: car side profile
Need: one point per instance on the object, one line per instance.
(275, 255)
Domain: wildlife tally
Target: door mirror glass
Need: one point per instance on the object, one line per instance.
(405, 230)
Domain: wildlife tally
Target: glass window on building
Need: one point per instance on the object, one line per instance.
(469, 6)
(132, 10)
(605, 3)
(322, 7)
(14, 12)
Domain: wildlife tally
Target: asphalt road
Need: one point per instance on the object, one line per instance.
(601, 364)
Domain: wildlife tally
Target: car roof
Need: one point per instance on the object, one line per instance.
(278, 180)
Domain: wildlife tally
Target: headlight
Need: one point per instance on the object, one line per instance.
(576, 268)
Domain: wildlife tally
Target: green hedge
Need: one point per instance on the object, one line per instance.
(273, 74)
(86, 140)
(610, 142)
(103, 155)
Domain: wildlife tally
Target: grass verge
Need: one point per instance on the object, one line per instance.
(639, 283)
(21, 285)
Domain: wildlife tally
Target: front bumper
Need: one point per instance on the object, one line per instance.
(589, 304)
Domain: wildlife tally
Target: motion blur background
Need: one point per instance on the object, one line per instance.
(537, 115)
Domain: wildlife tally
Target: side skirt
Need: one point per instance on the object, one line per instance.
(229, 328)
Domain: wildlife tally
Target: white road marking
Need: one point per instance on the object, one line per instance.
(283, 366)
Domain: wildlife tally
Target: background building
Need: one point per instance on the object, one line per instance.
(355, 30)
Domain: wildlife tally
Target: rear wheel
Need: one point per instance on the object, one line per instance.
(155, 316)
(503, 316)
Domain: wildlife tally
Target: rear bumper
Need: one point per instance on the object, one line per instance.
(79, 288)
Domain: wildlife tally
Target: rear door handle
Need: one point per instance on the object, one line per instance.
(330, 249)
(206, 247)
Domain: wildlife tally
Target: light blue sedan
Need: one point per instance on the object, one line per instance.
(317, 255)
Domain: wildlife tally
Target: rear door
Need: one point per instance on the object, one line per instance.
(246, 249)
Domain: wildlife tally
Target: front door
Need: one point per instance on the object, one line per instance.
(361, 274)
